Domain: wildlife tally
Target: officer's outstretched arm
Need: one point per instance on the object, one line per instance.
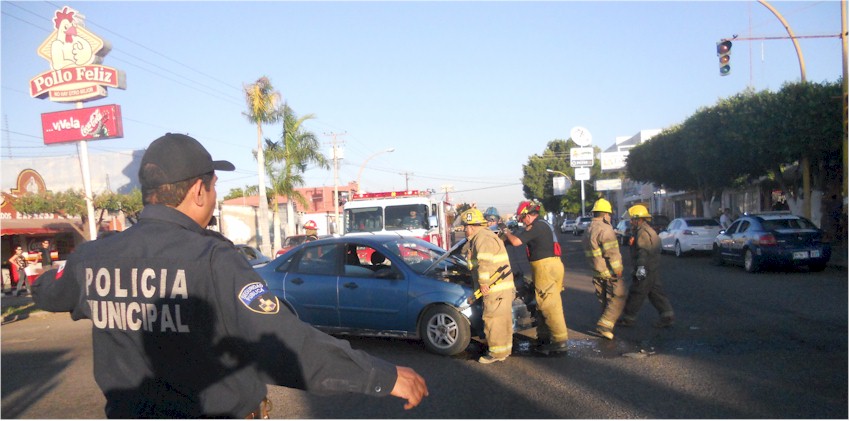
(409, 386)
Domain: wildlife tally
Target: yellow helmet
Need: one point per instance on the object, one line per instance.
(602, 205)
(639, 211)
(472, 216)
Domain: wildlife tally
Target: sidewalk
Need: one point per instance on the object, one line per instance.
(839, 256)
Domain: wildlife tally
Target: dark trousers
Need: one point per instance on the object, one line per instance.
(647, 288)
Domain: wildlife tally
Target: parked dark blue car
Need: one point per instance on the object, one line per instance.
(384, 285)
(772, 239)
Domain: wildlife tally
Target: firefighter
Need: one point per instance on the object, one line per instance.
(310, 230)
(486, 255)
(603, 253)
(547, 271)
(645, 251)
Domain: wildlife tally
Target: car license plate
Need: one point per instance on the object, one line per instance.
(814, 253)
(801, 255)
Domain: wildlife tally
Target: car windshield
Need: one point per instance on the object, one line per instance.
(787, 223)
(420, 255)
(703, 222)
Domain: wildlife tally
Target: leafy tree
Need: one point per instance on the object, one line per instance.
(262, 100)
(287, 160)
(72, 204)
(751, 136)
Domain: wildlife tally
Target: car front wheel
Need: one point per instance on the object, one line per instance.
(444, 330)
(677, 250)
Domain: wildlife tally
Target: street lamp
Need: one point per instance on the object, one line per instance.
(360, 173)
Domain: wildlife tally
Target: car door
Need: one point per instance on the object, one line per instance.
(668, 235)
(724, 241)
(739, 240)
(311, 284)
(372, 295)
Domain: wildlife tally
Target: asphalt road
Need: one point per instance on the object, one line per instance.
(766, 345)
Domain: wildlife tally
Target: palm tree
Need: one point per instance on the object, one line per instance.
(295, 151)
(262, 102)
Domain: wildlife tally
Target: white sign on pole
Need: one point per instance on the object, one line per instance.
(613, 160)
(582, 174)
(560, 185)
(581, 157)
(613, 184)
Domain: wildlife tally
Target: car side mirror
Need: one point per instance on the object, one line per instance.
(432, 221)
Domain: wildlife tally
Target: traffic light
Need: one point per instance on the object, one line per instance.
(724, 51)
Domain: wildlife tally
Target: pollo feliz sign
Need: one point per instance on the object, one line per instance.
(74, 55)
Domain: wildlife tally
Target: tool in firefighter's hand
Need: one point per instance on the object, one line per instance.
(500, 274)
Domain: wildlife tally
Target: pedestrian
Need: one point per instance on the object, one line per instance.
(645, 253)
(491, 274)
(17, 269)
(310, 230)
(182, 326)
(44, 251)
(547, 272)
(725, 219)
(603, 252)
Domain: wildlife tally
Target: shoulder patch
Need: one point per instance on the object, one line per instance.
(259, 299)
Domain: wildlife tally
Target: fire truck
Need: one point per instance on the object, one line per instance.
(408, 213)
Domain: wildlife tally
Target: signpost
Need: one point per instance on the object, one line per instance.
(76, 75)
(581, 158)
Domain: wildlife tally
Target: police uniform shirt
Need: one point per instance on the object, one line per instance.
(540, 240)
(184, 327)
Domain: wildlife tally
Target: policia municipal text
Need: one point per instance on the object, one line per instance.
(182, 325)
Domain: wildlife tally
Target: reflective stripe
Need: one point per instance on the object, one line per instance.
(499, 350)
(610, 245)
(593, 253)
(501, 286)
(483, 274)
(605, 323)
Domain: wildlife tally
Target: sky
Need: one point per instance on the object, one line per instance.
(464, 92)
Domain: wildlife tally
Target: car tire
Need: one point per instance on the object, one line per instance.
(716, 256)
(444, 330)
(751, 263)
(677, 250)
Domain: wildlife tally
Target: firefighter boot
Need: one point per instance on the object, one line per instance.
(665, 321)
(605, 329)
(489, 358)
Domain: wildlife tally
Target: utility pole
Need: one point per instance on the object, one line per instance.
(336, 158)
(406, 179)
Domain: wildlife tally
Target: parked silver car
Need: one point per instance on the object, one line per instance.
(580, 225)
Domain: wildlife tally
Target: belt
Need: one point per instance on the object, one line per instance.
(262, 411)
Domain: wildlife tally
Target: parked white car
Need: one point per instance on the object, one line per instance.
(568, 225)
(684, 235)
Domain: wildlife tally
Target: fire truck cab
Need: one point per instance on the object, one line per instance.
(408, 213)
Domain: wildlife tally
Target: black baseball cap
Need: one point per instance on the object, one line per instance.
(178, 157)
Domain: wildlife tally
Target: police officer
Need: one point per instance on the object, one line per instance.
(547, 271)
(310, 229)
(491, 273)
(182, 327)
(603, 253)
(645, 253)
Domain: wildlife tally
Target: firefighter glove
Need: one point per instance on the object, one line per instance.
(640, 274)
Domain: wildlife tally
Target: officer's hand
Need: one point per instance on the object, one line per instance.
(410, 386)
(485, 289)
(640, 274)
(502, 226)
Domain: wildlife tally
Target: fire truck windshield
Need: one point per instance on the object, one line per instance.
(386, 218)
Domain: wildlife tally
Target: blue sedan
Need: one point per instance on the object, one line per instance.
(772, 239)
(385, 285)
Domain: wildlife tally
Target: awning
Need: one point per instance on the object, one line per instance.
(38, 226)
